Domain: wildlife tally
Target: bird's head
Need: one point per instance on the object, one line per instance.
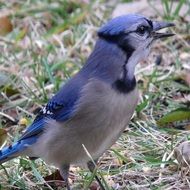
(124, 42)
(134, 33)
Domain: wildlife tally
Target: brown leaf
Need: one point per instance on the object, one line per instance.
(55, 179)
(47, 19)
(54, 176)
(187, 127)
(94, 186)
(23, 121)
(184, 56)
(182, 98)
(3, 136)
(186, 77)
(5, 26)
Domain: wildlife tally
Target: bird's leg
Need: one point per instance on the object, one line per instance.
(92, 167)
(64, 171)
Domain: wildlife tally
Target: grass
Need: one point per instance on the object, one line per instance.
(48, 44)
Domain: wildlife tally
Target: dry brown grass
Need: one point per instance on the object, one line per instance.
(49, 42)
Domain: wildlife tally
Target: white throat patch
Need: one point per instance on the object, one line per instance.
(136, 57)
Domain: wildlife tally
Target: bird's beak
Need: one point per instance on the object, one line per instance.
(160, 25)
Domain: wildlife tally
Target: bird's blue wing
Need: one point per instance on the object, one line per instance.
(62, 113)
(59, 108)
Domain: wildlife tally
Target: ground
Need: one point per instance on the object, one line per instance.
(43, 43)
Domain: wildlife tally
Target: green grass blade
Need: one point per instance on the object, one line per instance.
(176, 115)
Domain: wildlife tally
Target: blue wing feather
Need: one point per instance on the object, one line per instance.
(59, 108)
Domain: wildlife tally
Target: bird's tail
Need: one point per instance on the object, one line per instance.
(21, 147)
(15, 150)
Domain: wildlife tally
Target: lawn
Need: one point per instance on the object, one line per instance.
(44, 43)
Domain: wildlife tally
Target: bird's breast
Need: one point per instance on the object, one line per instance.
(102, 114)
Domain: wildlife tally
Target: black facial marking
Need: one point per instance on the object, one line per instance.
(124, 44)
(110, 38)
(124, 86)
(1, 153)
(150, 23)
(120, 40)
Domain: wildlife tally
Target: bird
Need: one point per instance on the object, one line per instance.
(89, 112)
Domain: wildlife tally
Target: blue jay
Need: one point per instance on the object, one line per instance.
(89, 113)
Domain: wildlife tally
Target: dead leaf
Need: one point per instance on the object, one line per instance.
(187, 127)
(55, 179)
(3, 136)
(54, 176)
(47, 19)
(182, 98)
(146, 169)
(184, 56)
(23, 121)
(94, 186)
(186, 77)
(5, 26)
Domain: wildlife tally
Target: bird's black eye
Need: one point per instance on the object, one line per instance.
(141, 30)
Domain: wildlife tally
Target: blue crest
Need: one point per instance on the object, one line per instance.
(119, 24)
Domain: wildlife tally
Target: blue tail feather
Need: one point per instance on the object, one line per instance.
(28, 138)
(16, 149)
